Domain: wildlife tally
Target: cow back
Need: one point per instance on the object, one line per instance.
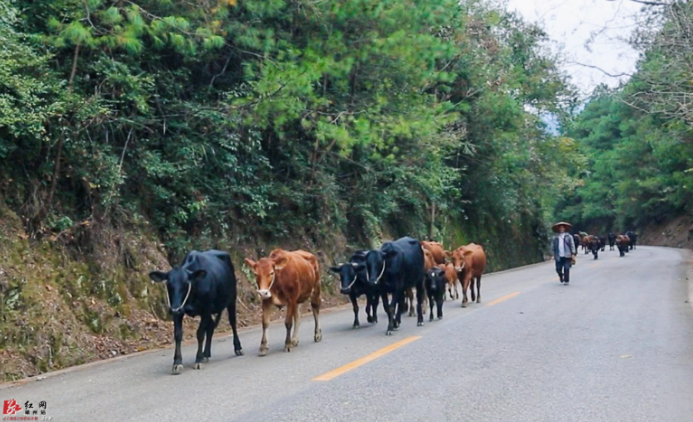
(217, 289)
(299, 276)
(407, 264)
(436, 250)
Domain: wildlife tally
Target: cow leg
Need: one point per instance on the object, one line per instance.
(431, 302)
(238, 350)
(388, 310)
(478, 289)
(369, 307)
(205, 321)
(355, 306)
(471, 290)
(178, 337)
(396, 305)
(440, 308)
(266, 312)
(420, 301)
(315, 307)
(376, 300)
(208, 337)
(465, 286)
(291, 310)
(410, 298)
(297, 324)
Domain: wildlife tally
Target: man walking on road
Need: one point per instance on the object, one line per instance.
(563, 251)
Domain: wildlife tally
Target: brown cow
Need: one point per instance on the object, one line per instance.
(470, 263)
(429, 259)
(287, 278)
(451, 277)
(437, 250)
(623, 243)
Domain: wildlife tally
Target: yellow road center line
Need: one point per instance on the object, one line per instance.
(502, 299)
(364, 360)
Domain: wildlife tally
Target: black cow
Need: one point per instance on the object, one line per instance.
(435, 288)
(354, 282)
(395, 267)
(602, 242)
(595, 245)
(633, 238)
(612, 241)
(204, 285)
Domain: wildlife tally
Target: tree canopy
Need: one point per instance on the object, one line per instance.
(222, 119)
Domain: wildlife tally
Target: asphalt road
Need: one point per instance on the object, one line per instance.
(615, 345)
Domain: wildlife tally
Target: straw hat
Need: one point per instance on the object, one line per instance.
(568, 226)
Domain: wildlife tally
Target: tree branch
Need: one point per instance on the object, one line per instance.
(617, 75)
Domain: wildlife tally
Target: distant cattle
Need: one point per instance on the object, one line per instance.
(451, 278)
(395, 267)
(577, 239)
(435, 289)
(612, 241)
(436, 250)
(633, 239)
(354, 283)
(602, 242)
(586, 242)
(470, 264)
(204, 285)
(287, 278)
(595, 245)
(623, 243)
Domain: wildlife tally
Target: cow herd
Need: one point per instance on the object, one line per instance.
(590, 243)
(205, 284)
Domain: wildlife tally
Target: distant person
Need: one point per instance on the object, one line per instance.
(564, 251)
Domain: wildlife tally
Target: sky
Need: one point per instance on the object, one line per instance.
(587, 32)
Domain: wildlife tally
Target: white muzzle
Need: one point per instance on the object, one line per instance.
(264, 294)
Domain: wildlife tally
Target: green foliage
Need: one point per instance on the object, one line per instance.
(277, 119)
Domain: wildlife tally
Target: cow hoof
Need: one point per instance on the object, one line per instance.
(294, 343)
(238, 352)
(388, 333)
(318, 336)
(439, 318)
(198, 365)
(205, 360)
(420, 324)
(464, 305)
(177, 368)
(263, 352)
(287, 348)
(370, 319)
(355, 326)
(430, 319)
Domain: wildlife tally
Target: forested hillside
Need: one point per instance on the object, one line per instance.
(637, 139)
(133, 131)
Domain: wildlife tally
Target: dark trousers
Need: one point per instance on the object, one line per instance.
(563, 268)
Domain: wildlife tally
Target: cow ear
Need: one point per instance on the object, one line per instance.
(466, 253)
(281, 263)
(448, 254)
(249, 262)
(198, 275)
(335, 269)
(158, 276)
